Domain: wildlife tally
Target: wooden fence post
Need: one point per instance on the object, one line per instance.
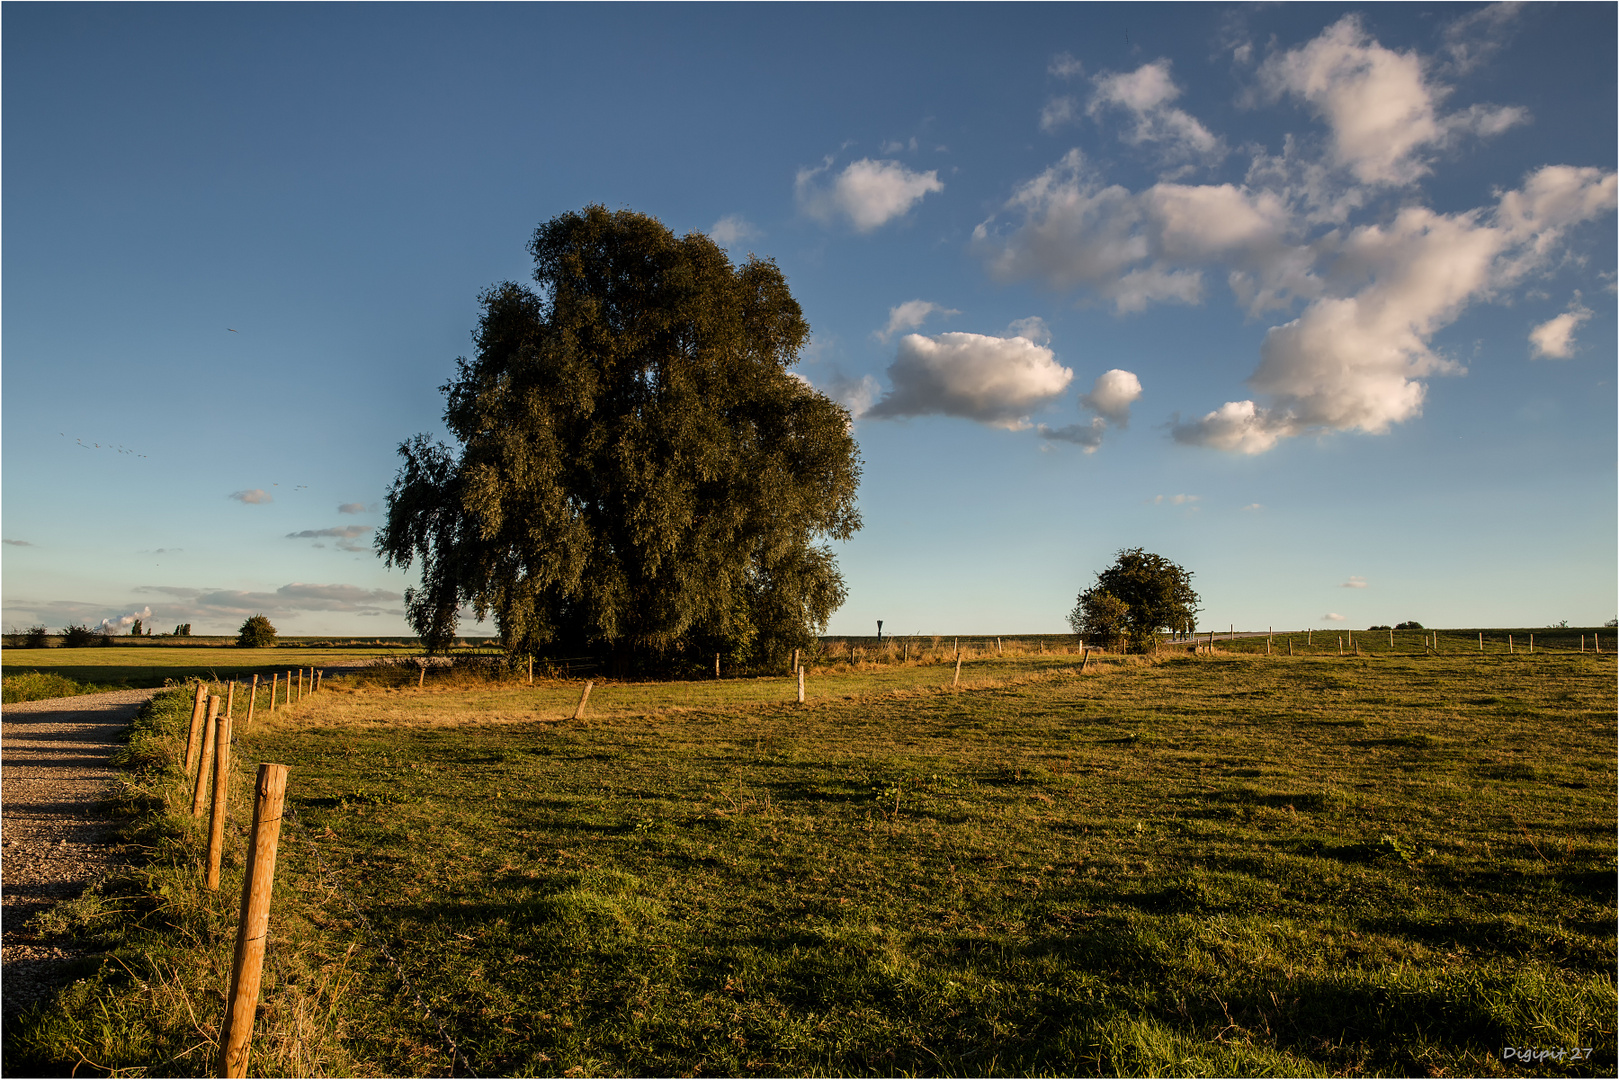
(801, 686)
(421, 676)
(198, 704)
(531, 671)
(1290, 646)
(1084, 660)
(716, 665)
(216, 817)
(1481, 641)
(252, 698)
(275, 688)
(579, 713)
(956, 681)
(206, 757)
(1510, 649)
(998, 647)
(236, 1033)
(300, 684)
(289, 688)
(1340, 646)
(1309, 638)
(230, 699)
(1531, 644)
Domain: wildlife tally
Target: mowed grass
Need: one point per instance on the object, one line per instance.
(137, 665)
(1219, 865)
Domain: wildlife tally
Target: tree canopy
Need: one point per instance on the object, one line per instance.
(638, 474)
(256, 632)
(1133, 600)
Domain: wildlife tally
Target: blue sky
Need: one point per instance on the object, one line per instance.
(1317, 301)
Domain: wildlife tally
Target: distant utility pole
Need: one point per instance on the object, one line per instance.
(879, 631)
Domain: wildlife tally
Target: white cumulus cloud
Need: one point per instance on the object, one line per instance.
(1112, 395)
(994, 380)
(1355, 582)
(867, 193)
(910, 316)
(1380, 108)
(1332, 616)
(252, 496)
(1554, 338)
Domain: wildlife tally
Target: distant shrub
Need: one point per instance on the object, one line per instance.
(1412, 625)
(77, 636)
(256, 633)
(1370, 628)
(38, 637)
(135, 631)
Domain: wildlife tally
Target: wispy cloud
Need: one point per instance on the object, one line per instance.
(1332, 616)
(228, 606)
(910, 316)
(352, 508)
(1355, 582)
(1554, 338)
(1176, 500)
(342, 532)
(252, 496)
(733, 229)
(17, 543)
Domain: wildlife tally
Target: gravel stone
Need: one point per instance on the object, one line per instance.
(55, 838)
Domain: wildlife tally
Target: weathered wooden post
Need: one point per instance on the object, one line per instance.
(579, 713)
(1290, 646)
(230, 699)
(421, 676)
(1531, 644)
(1340, 645)
(801, 686)
(198, 705)
(300, 685)
(957, 680)
(1510, 650)
(1481, 641)
(531, 671)
(216, 817)
(1391, 639)
(289, 688)
(716, 665)
(275, 688)
(1085, 659)
(998, 647)
(795, 662)
(253, 928)
(252, 699)
(207, 756)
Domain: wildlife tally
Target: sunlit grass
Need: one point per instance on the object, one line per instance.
(1213, 865)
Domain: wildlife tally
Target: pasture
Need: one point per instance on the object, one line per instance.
(1398, 863)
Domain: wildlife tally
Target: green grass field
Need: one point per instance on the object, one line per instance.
(1396, 864)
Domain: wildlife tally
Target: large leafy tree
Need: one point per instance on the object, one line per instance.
(638, 474)
(1133, 600)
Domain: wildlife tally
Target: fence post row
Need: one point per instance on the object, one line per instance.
(247, 967)
(206, 756)
(198, 703)
(216, 817)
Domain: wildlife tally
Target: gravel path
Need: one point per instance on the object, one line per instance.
(53, 843)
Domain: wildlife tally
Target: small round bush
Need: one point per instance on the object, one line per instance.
(256, 633)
